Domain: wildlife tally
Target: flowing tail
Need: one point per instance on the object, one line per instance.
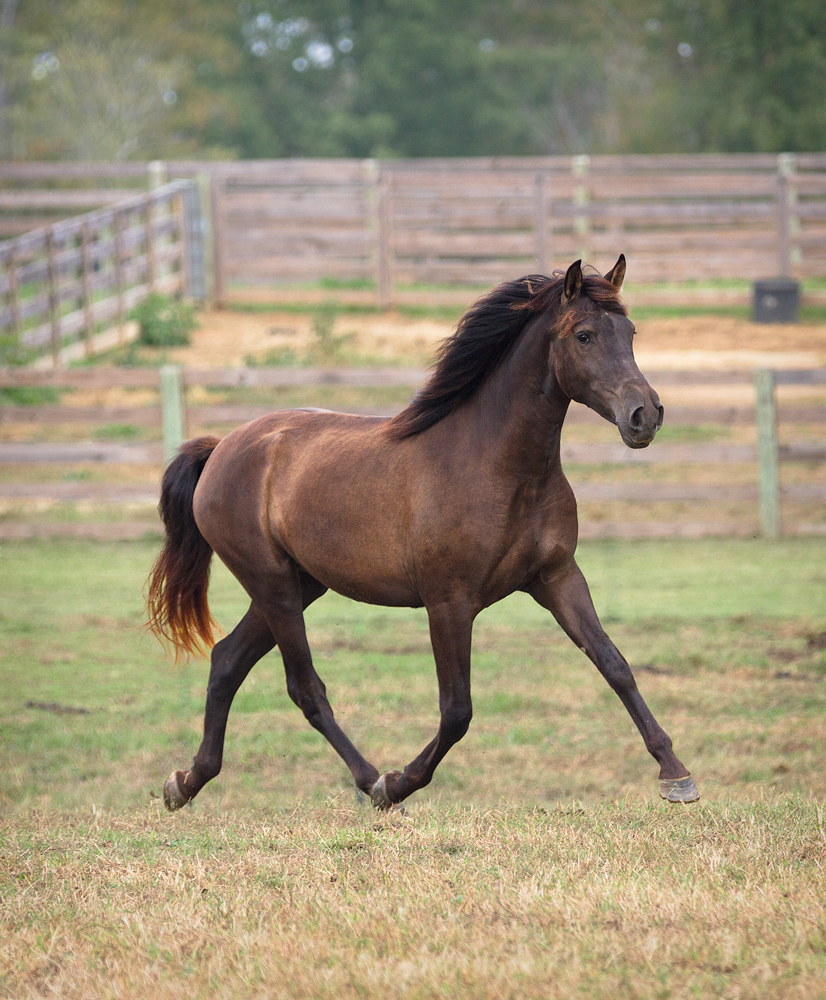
(176, 596)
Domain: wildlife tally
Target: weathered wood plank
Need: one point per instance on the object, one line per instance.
(79, 491)
(81, 378)
(25, 171)
(87, 453)
(263, 268)
(122, 531)
(288, 377)
(414, 243)
(140, 416)
(803, 376)
(630, 530)
(319, 242)
(68, 199)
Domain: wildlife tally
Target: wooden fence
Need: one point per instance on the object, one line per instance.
(67, 287)
(476, 221)
(481, 221)
(173, 413)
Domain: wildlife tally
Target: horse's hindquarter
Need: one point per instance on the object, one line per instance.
(322, 487)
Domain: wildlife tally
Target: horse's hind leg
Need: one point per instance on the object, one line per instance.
(567, 597)
(232, 659)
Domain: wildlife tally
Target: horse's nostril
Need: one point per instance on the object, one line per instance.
(637, 418)
(661, 413)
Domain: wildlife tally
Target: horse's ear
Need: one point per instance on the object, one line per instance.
(617, 273)
(573, 283)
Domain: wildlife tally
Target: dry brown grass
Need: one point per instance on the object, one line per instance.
(630, 900)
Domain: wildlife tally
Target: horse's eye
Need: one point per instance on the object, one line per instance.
(583, 338)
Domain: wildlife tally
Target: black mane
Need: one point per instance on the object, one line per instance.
(484, 335)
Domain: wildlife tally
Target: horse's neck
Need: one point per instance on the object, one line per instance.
(522, 406)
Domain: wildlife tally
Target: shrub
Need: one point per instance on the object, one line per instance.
(163, 321)
(327, 346)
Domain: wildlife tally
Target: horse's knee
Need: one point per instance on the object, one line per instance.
(456, 720)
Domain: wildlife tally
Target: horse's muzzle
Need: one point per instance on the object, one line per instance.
(639, 421)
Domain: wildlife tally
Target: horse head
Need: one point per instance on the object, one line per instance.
(592, 355)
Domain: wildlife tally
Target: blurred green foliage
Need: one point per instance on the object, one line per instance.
(164, 321)
(101, 79)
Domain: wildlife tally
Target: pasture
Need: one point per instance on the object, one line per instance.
(540, 861)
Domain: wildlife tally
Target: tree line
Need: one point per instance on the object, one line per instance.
(143, 79)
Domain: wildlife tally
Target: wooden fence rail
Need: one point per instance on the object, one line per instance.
(476, 221)
(173, 412)
(66, 289)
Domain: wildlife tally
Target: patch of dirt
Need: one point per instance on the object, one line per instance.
(710, 335)
(226, 339)
(56, 708)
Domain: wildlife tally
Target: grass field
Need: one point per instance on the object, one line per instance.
(538, 863)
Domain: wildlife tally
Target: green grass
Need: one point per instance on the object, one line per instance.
(29, 395)
(300, 308)
(117, 432)
(539, 863)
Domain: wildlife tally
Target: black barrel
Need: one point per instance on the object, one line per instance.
(776, 300)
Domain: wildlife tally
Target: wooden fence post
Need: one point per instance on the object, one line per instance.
(193, 260)
(386, 282)
(14, 300)
(156, 170)
(203, 183)
(769, 489)
(54, 297)
(88, 316)
(218, 185)
(541, 215)
(788, 223)
(149, 233)
(119, 282)
(582, 196)
(173, 414)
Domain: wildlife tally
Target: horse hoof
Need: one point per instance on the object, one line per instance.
(678, 789)
(173, 794)
(378, 794)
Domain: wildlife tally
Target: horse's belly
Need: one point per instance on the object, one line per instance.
(356, 573)
(388, 592)
(358, 557)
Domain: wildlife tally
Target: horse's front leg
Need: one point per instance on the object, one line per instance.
(567, 597)
(451, 625)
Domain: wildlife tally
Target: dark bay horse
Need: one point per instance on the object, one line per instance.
(452, 505)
